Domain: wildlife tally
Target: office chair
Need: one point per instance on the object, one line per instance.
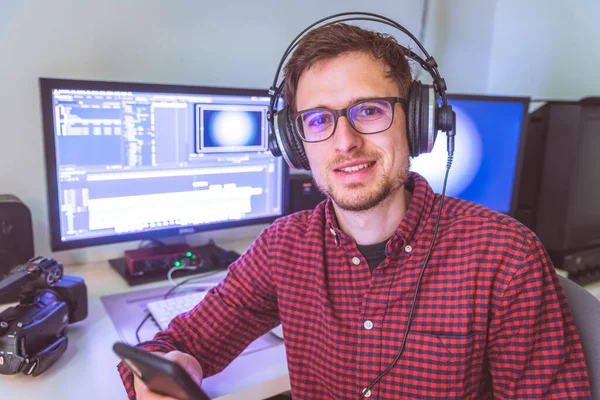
(586, 313)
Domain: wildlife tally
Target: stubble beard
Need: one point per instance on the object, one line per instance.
(358, 197)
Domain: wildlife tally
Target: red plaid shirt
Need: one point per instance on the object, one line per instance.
(491, 319)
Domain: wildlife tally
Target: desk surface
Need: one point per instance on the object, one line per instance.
(88, 367)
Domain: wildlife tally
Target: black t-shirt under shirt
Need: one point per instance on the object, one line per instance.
(374, 253)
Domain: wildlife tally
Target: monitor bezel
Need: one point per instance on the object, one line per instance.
(47, 85)
(526, 101)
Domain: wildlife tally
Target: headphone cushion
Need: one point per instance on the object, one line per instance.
(413, 118)
(290, 144)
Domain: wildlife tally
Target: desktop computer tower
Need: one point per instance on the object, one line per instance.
(559, 196)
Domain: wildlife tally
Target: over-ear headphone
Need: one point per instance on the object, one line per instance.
(424, 116)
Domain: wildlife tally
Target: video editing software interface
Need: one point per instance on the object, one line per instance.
(130, 161)
(488, 151)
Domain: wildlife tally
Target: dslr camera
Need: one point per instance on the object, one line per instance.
(33, 334)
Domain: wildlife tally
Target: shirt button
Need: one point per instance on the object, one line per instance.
(408, 248)
(368, 325)
(355, 260)
(367, 392)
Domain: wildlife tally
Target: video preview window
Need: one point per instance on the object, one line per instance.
(226, 128)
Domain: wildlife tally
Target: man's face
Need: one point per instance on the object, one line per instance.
(357, 171)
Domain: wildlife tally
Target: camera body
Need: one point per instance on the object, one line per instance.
(33, 334)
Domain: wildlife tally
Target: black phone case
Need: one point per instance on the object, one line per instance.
(161, 375)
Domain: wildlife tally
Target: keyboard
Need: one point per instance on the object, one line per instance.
(163, 311)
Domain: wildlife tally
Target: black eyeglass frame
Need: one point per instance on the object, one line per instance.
(344, 112)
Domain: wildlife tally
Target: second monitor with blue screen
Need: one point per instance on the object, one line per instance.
(487, 156)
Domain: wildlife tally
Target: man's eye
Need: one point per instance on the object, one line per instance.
(367, 111)
(318, 120)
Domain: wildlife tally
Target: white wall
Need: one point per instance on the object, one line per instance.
(459, 35)
(228, 43)
(540, 48)
(546, 49)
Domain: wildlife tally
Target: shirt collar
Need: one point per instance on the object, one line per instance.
(418, 212)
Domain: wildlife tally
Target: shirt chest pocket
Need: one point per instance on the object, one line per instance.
(437, 367)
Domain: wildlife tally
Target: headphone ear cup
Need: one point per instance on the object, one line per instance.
(421, 119)
(290, 146)
(413, 117)
(300, 158)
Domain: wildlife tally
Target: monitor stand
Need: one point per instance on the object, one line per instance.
(213, 258)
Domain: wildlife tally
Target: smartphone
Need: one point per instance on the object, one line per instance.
(161, 375)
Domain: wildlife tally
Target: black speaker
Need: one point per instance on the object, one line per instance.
(16, 233)
(560, 188)
(304, 194)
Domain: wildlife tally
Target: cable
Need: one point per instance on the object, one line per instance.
(137, 331)
(173, 269)
(151, 243)
(196, 277)
(180, 267)
(193, 278)
(422, 28)
(424, 15)
(416, 294)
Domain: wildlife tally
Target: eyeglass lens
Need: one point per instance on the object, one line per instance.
(369, 116)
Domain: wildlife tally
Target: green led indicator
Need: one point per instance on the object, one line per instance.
(178, 263)
(188, 254)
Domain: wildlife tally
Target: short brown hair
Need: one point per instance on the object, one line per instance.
(332, 40)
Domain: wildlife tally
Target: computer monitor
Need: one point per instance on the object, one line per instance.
(488, 151)
(132, 161)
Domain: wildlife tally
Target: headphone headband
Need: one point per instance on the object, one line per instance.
(284, 141)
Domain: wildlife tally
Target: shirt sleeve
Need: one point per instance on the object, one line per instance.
(242, 307)
(534, 349)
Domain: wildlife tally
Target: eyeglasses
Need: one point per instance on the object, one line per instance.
(366, 116)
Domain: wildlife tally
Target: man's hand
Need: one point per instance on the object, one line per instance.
(189, 363)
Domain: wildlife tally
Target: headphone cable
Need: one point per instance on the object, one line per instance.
(415, 296)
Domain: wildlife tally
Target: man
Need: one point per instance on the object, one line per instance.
(491, 320)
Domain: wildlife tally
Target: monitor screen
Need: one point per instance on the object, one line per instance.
(129, 161)
(487, 155)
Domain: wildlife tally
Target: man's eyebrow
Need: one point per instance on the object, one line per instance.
(354, 100)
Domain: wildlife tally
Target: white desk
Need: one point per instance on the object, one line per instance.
(88, 370)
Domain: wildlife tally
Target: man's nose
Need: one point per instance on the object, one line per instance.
(345, 137)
